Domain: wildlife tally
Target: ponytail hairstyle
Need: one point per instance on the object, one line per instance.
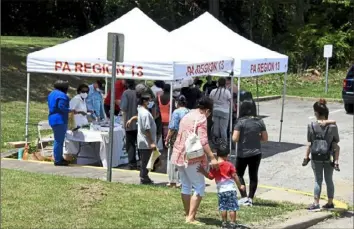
(182, 101)
(320, 108)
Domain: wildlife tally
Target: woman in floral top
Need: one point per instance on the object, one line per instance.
(173, 127)
(190, 178)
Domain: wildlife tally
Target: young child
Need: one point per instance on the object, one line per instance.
(225, 179)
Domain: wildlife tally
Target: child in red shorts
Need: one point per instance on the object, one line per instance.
(225, 179)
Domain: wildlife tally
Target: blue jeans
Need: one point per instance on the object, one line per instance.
(320, 168)
(59, 137)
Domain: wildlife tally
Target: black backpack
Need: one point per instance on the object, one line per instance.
(320, 149)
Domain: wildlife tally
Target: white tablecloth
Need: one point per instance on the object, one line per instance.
(97, 147)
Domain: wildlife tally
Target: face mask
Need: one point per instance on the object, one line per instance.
(97, 89)
(83, 95)
(176, 104)
(151, 104)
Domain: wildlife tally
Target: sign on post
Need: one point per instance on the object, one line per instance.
(119, 51)
(327, 53)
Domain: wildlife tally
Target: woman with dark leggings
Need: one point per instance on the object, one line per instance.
(249, 132)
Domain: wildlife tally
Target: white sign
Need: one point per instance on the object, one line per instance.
(327, 51)
(258, 67)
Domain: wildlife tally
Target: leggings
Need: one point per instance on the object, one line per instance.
(320, 168)
(253, 166)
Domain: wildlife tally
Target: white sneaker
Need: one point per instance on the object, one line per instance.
(249, 202)
(242, 201)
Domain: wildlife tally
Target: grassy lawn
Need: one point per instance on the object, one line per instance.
(13, 86)
(31, 200)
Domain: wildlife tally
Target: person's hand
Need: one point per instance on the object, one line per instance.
(82, 113)
(336, 166)
(243, 188)
(201, 169)
(214, 163)
(322, 122)
(152, 146)
(128, 123)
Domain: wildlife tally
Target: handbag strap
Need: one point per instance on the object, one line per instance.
(195, 125)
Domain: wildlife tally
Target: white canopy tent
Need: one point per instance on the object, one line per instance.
(149, 54)
(251, 59)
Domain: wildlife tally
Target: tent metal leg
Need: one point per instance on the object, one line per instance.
(106, 86)
(282, 106)
(231, 110)
(169, 148)
(27, 106)
(238, 109)
(257, 96)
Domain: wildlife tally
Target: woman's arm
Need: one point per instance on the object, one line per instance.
(169, 135)
(264, 136)
(203, 134)
(63, 106)
(327, 122)
(134, 118)
(236, 136)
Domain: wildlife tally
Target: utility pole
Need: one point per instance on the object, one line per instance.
(214, 8)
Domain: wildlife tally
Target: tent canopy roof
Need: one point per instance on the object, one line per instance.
(210, 34)
(147, 45)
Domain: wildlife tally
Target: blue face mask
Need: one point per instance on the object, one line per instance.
(151, 104)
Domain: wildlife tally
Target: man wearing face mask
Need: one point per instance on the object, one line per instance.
(94, 99)
(78, 103)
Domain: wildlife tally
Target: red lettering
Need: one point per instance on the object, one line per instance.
(253, 68)
(58, 65)
(140, 71)
(78, 67)
(66, 67)
(87, 67)
(106, 69)
(120, 69)
(97, 68)
(190, 70)
(133, 73)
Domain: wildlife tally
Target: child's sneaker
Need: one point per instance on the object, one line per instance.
(224, 225)
(328, 206)
(234, 226)
(314, 207)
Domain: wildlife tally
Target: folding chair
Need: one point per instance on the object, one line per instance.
(45, 151)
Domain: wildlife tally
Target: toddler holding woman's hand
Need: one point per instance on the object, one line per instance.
(225, 178)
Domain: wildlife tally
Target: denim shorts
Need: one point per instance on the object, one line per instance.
(228, 201)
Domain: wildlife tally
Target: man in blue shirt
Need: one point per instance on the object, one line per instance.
(94, 99)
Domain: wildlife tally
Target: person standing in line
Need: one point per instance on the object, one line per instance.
(163, 101)
(221, 112)
(173, 127)
(128, 107)
(191, 93)
(249, 132)
(322, 139)
(119, 86)
(191, 179)
(146, 136)
(94, 99)
(58, 106)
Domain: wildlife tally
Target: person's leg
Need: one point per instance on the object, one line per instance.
(106, 110)
(186, 189)
(328, 175)
(224, 123)
(253, 166)
(198, 183)
(130, 138)
(318, 172)
(144, 172)
(241, 164)
(216, 127)
(59, 132)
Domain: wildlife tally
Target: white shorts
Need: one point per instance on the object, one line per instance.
(191, 179)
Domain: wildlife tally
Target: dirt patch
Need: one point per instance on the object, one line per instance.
(89, 194)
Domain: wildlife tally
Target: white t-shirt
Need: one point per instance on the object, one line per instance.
(79, 104)
(156, 90)
(221, 98)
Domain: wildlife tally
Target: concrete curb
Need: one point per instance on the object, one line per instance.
(313, 98)
(304, 221)
(8, 153)
(267, 98)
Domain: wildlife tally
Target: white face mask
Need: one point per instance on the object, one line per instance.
(97, 89)
(83, 95)
(151, 104)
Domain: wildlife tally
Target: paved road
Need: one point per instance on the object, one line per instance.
(281, 165)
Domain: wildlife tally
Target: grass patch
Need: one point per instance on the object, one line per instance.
(13, 86)
(31, 200)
